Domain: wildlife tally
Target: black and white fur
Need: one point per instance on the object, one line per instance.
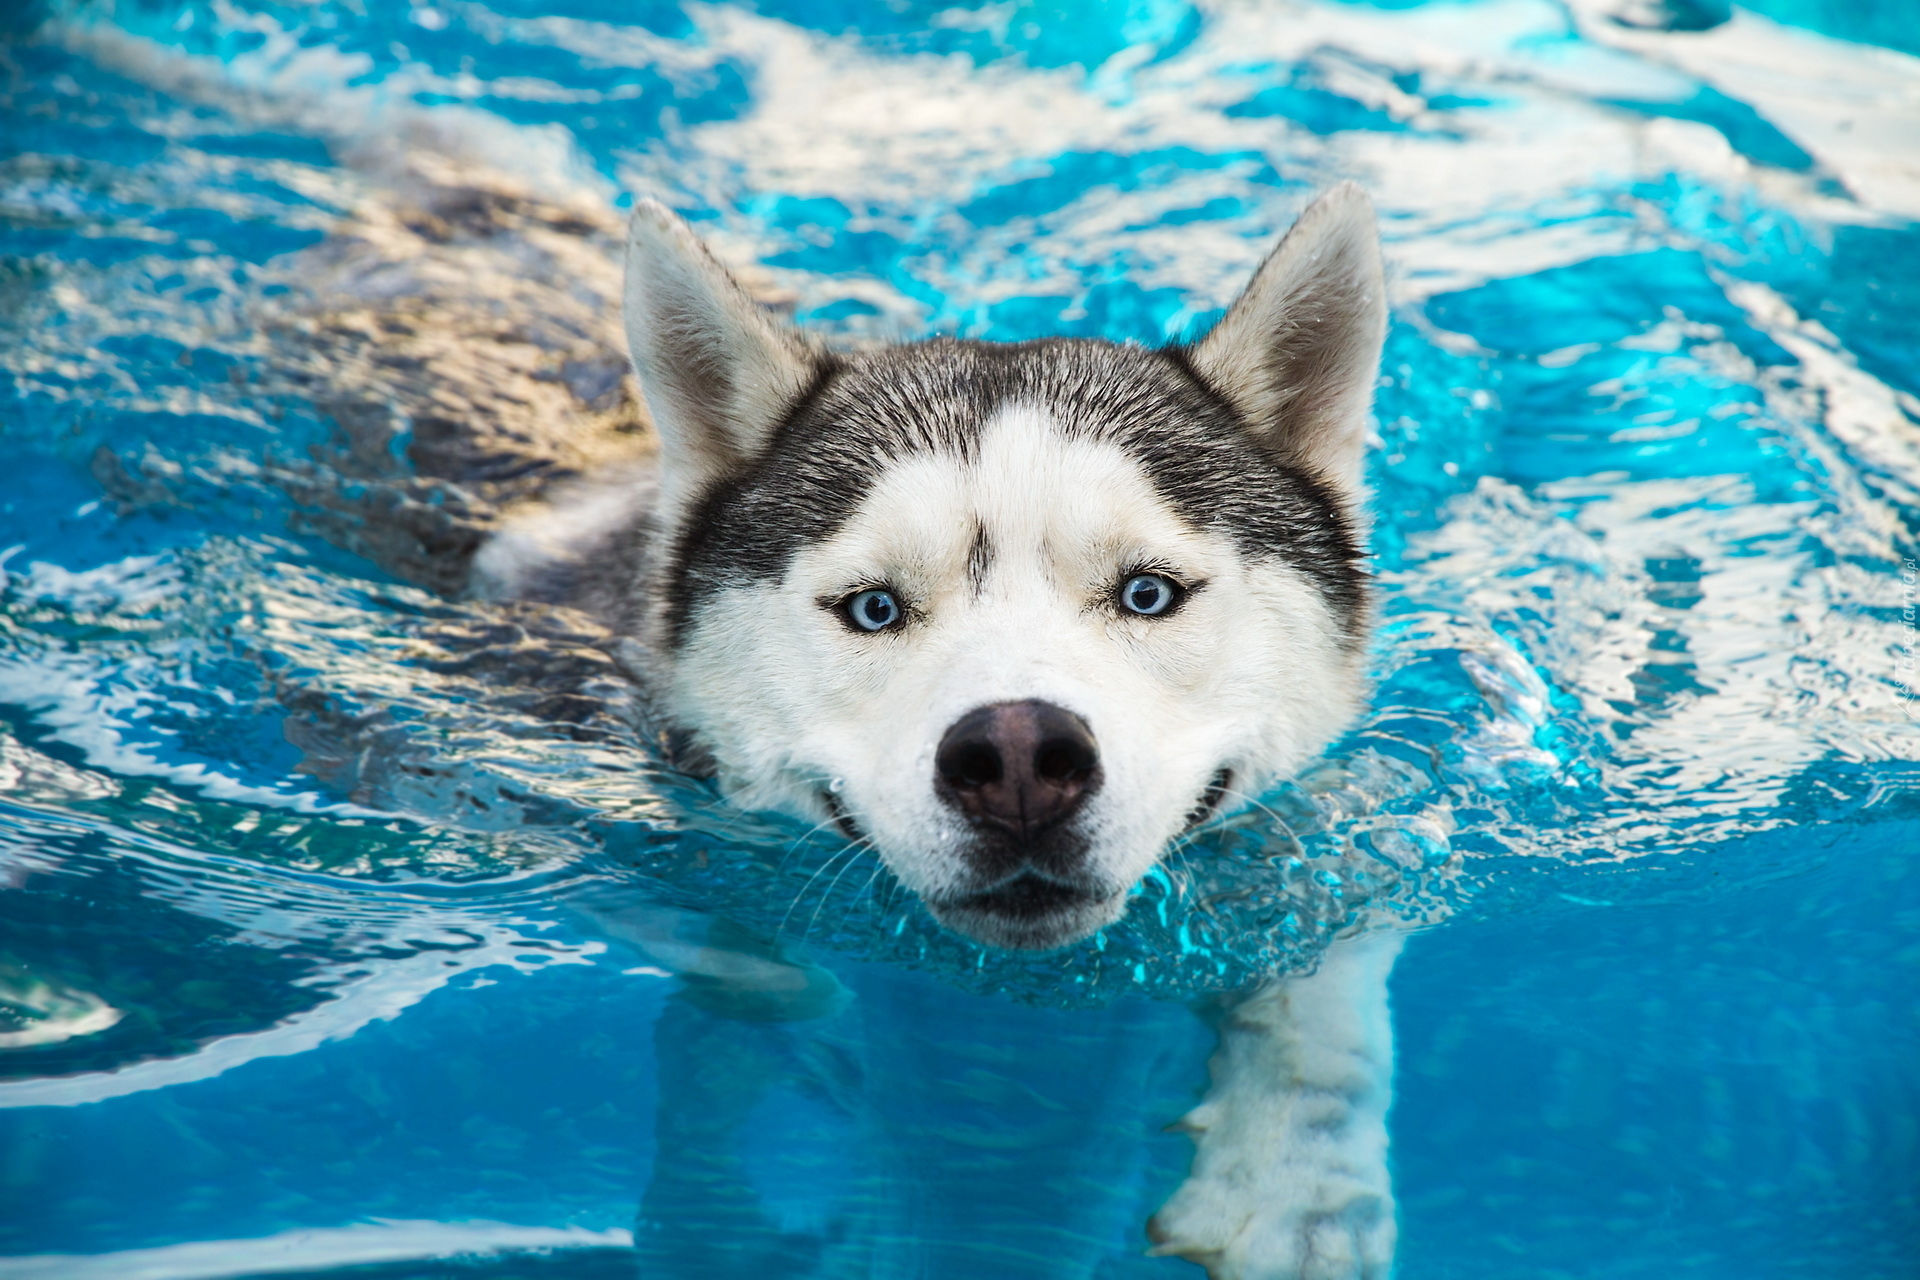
(1018, 742)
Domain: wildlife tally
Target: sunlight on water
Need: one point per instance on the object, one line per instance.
(1647, 473)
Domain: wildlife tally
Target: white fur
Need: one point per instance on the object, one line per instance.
(568, 525)
(1290, 1177)
(1251, 674)
(1248, 674)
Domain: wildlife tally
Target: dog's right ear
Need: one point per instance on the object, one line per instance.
(717, 370)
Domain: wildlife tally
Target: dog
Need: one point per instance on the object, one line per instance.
(1018, 617)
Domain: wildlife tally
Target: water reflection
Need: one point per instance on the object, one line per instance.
(912, 1130)
(1646, 486)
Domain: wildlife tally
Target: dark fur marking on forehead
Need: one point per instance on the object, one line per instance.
(979, 558)
(863, 413)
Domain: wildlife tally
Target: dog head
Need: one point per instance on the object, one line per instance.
(1016, 615)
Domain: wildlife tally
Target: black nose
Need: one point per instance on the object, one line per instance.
(1019, 768)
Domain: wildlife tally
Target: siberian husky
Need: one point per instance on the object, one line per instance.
(1017, 617)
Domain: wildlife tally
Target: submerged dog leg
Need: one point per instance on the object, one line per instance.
(1290, 1146)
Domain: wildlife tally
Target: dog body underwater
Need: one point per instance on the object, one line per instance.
(1018, 616)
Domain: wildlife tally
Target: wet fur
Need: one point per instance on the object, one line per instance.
(1007, 490)
(514, 461)
(1002, 491)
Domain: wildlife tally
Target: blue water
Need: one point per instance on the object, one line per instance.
(329, 945)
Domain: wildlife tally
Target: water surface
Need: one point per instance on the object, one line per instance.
(349, 924)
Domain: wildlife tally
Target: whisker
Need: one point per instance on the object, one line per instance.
(801, 839)
(814, 919)
(817, 873)
(894, 886)
(867, 888)
(1255, 803)
(1180, 866)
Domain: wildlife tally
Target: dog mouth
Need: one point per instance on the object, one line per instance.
(1209, 802)
(1027, 897)
(1027, 912)
(841, 818)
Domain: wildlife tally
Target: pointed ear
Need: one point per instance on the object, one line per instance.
(1297, 355)
(718, 371)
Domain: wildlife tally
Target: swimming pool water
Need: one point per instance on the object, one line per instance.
(347, 928)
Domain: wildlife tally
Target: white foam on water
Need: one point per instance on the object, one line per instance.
(318, 91)
(1521, 183)
(311, 1249)
(86, 702)
(1854, 107)
(359, 993)
(1468, 193)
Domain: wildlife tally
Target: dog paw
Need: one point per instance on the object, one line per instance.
(1294, 1223)
(1290, 1178)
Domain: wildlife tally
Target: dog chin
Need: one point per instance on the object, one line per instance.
(1029, 914)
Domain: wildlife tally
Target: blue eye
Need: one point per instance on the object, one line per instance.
(873, 610)
(1149, 594)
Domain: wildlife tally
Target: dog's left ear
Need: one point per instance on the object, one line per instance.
(717, 370)
(1297, 355)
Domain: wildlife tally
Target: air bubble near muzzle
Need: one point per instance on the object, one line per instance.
(1017, 770)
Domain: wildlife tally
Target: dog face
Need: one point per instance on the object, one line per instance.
(1016, 615)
